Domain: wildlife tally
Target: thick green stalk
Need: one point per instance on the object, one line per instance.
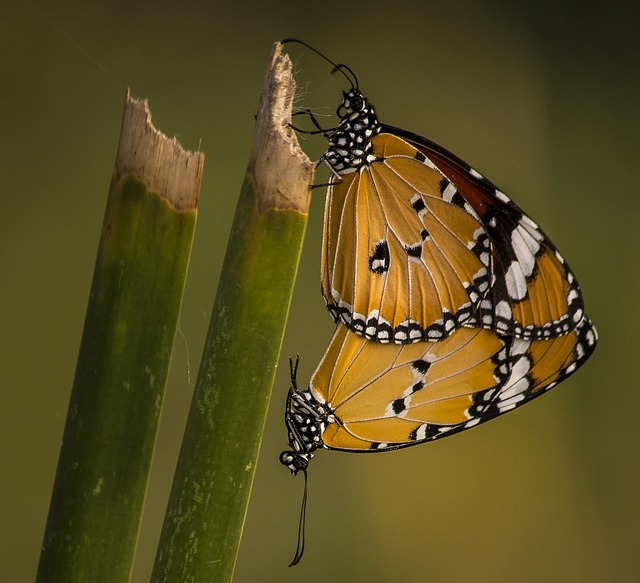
(124, 357)
(217, 462)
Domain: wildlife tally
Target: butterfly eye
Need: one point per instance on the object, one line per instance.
(342, 111)
(356, 101)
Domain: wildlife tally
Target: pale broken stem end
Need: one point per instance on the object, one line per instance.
(279, 169)
(158, 161)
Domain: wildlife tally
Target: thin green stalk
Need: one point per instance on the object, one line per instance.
(124, 356)
(217, 462)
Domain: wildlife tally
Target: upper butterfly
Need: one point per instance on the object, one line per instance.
(417, 243)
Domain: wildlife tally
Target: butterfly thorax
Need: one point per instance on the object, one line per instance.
(349, 147)
(306, 419)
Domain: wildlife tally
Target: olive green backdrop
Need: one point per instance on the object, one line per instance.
(542, 97)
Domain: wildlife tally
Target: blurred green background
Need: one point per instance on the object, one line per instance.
(542, 97)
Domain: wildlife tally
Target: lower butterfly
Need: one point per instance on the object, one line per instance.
(371, 397)
(367, 396)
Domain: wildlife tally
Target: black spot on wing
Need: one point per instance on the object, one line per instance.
(379, 259)
(398, 406)
(414, 251)
(418, 205)
(420, 366)
(458, 199)
(415, 388)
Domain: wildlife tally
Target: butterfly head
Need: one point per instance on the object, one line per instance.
(349, 147)
(353, 102)
(295, 461)
(305, 418)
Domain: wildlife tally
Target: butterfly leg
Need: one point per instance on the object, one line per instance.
(319, 129)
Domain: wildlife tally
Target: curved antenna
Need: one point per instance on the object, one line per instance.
(340, 67)
(301, 525)
(293, 371)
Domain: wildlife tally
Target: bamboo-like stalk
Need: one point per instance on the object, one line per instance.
(124, 356)
(217, 462)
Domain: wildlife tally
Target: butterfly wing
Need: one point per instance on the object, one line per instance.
(534, 294)
(535, 366)
(388, 396)
(401, 262)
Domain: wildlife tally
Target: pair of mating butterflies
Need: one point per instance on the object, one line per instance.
(452, 305)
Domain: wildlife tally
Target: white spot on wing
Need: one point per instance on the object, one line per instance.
(421, 432)
(516, 282)
(518, 382)
(502, 197)
(449, 192)
(428, 162)
(525, 247)
(503, 310)
(527, 220)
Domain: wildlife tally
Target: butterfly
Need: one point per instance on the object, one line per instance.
(370, 397)
(417, 243)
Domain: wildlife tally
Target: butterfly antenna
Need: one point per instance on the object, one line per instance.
(341, 67)
(301, 525)
(293, 368)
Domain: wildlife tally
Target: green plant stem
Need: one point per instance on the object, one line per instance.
(124, 357)
(217, 462)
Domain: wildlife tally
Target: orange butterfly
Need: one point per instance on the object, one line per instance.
(369, 396)
(417, 243)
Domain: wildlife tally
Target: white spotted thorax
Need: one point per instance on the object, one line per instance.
(349, 146)
(305, 418)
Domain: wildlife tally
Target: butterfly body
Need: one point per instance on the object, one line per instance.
(418, 244)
